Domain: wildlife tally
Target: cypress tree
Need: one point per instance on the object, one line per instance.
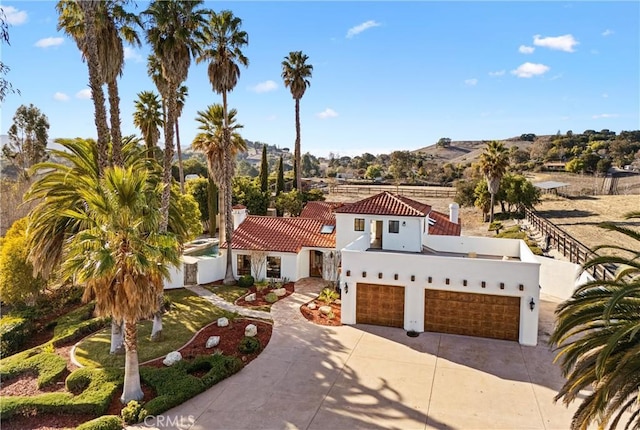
(280, 181)
(264, 171)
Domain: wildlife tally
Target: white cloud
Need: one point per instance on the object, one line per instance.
(528, 70)
(471, 82)
(264, 87)
(132, 54)
(524, 49)
(558, 76)
(361, 27)
(61, 97)
(607, 32)
(48, 42)
(605, 115)
(497, 73)
(84, 94)
(14, 16)
(558, 43)
(605, 95)
(327, 113)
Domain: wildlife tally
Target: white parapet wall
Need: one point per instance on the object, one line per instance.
(211, 268)
(519, 278)
(176, 278)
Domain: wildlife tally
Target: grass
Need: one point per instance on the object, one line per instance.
(230, 293)
(189, 313)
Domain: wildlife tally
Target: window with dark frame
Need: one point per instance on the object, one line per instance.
(394, 226)
(244, 264)
(358, 224)
(273, 267)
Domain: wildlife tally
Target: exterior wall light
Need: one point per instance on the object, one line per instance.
(348, 272)
(521, 287)
(379, 275)
(364, 274)
(532, 304)
(346, 288)
(413, 278)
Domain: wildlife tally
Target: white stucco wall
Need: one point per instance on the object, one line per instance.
(479, 245)
(176, 278)
(474, 271)
(558, 278)
(211, 268)
(288, 264)
(407, 239)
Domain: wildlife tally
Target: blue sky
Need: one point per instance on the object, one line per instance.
(387, 75)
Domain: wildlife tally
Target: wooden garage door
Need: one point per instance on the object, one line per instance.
(380, 305)
(472, 314)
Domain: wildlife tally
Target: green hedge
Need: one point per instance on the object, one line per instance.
(95, 388)
(107, 422)
(14, 331)
(176, 384)
(48, 366)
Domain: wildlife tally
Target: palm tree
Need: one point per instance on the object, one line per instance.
(113, 24)
(181, 98)
(104, 232)
(597, 339)
(148, 118)
(296, 74)
(225, 40)
(210, 142)
(174, 32)
(493, 163)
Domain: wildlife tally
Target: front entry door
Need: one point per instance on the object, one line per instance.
(315, 264)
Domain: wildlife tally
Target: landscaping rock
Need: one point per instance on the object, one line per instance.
(172, 358)
(337, 301)
(212, 341)
(251, 330)
(223, 322)
(312, 306)
(250, 297)
(325, 310)
(280, 292)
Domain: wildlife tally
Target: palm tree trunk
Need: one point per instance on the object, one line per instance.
(117, 339)
(89, 9)
(212, 193)
(493, 198)
(298, 179)
(228, 221)
(180, 169)
(156, 329)
(168, 154)
(132, 389)
(114, 114)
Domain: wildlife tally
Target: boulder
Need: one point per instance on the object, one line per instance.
(223, 322)
(325, 310)
(250, 297)
(212, 341)
(337, 301)
(251, 330)
(312, 306)
(280, 292)
(172, 358)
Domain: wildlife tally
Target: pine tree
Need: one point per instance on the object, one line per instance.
(280, 181)
(264, 171)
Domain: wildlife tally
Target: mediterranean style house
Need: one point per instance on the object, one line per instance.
(397, 262)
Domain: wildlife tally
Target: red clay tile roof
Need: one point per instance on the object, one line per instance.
(282, 234)
(320, 210)
(443, 227)
(238, 206)
(386, 203)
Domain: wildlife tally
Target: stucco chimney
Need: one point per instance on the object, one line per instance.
(239, 213)
(454, 208)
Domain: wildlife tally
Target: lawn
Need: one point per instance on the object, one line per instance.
(230, 293)
(188, 314)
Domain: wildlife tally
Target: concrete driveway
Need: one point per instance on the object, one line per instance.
(369, 377)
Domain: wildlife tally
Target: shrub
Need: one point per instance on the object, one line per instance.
(271, 297)
(261, 287)
(17, 284)
(133, 412)
(246, 281)
(14, 330)
(49, 367)
(249, 345)
(107, 422)
(328, 295)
